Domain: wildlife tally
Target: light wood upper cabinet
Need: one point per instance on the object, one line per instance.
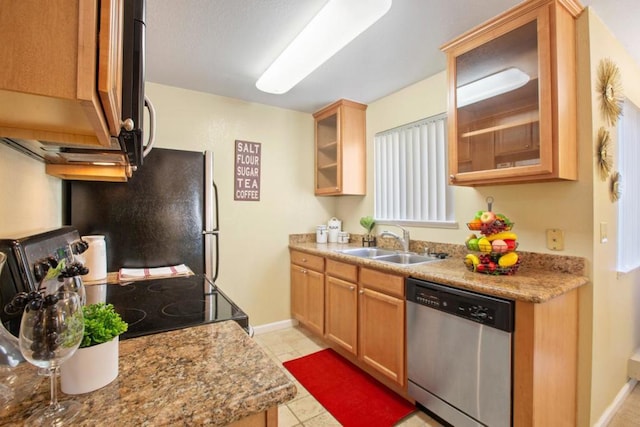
(512, 96)
(61, 79)
(340, 149)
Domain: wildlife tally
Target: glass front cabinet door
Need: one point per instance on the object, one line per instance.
(512, 97)
(340, 138)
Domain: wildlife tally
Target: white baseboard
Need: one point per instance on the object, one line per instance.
(275, 326)
(611, 410)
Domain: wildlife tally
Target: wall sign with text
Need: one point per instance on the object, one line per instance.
(247, 171)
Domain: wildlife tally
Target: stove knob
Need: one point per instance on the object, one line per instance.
(53, 262)
(79, 247)
(40, 269)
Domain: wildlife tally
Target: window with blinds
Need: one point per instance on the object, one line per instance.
(628, 158)
(410, 174)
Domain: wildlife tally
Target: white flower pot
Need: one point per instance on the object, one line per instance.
(90, 368)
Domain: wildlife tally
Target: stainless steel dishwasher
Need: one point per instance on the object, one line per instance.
(459, 354)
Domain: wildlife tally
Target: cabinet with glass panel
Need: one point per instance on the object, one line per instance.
(340, 149)
(512, 96)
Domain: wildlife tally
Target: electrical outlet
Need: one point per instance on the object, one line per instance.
(555, 239)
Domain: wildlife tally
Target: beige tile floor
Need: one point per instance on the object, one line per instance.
(304, 410)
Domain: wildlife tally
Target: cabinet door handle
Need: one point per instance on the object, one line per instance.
(304, 271)
(361, 292)
(352, 288)
(304, 260)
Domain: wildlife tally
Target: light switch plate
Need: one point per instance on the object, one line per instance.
(604, 236)
(555, 239)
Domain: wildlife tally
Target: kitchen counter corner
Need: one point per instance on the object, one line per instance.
(212, 374)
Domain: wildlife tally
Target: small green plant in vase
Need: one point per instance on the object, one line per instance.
(368, 223)
(101, 324)
(95, 363)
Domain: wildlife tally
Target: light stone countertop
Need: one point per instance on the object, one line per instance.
(539, 278)
(211, 374)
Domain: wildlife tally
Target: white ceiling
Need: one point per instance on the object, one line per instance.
(223, 46)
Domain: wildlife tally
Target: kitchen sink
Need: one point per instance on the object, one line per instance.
(367, 252)
(390, 256)
(405, 258)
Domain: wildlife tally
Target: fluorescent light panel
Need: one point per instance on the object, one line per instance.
(487, 87)
(339, 22)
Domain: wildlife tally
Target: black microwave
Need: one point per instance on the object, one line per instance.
(133, 67)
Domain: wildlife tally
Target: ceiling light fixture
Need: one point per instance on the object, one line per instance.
(492, 85)
(337, 24)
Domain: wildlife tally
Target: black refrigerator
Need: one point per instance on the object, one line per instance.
(166, 214)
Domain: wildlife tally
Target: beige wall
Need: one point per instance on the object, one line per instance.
(29, 199)
(254, 269)
(616, 300)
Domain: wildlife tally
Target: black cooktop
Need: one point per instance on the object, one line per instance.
(160, 305)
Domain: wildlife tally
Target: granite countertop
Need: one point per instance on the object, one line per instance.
(211, 374)
(539, 278)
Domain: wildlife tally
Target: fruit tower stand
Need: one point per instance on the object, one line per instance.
(494, 249)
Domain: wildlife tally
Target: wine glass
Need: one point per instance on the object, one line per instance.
(9, 355)
(51, 330)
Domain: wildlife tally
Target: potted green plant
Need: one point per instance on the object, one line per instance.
(368, 223)
(95, 363)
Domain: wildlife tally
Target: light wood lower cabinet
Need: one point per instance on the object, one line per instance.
(366, 319)
(268, 418)
(342, 314)
(382, 324)
(545, 362)
(307, 290)
(341, 309)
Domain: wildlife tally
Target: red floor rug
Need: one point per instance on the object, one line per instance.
(352, 396)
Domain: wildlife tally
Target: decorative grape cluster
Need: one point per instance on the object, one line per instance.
(45, 326)
(494, 227)
(72, 270)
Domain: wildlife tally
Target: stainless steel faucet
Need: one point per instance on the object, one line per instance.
(404, 240)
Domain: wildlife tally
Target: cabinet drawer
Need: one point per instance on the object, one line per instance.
(312, 262)
(383, 282)
(342, 270)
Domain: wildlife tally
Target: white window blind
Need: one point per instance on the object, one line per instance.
(628, 158)
(411, 184)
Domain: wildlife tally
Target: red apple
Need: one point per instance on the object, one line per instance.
(511, 244)
(487, 217)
